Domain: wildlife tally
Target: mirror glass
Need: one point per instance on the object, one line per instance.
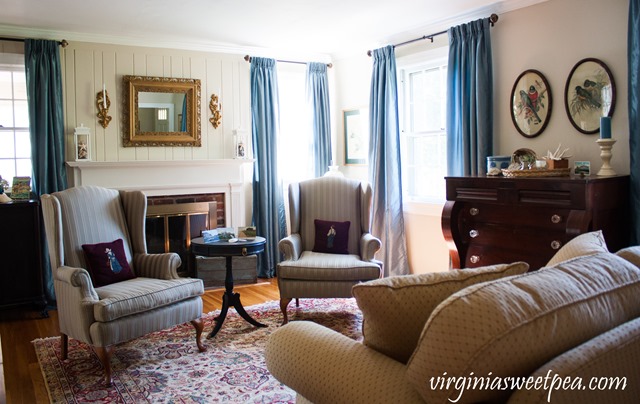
(161, 111)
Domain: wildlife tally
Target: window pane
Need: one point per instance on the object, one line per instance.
(23, 167)
(5, 85)
(6, 145)
(19, 86)
(22, 114)
(6, 114)
(7, 169)
(23, 144)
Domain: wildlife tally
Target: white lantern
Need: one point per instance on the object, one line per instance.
(82, 142)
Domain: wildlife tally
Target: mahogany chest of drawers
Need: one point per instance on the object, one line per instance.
(492, 220)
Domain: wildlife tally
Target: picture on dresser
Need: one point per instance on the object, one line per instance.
(531, 103)
(590, 93)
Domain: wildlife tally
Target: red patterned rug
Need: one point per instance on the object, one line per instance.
(166, 367)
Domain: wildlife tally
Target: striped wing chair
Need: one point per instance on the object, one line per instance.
(157, 298)
(305, 273)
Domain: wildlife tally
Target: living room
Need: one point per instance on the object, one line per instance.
(549, 36)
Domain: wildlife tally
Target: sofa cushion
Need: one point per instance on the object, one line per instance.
(512, 326)
(585, 244)
(107, 263)
(333, 267)
(142, 294)
(631, 254)
(331, 237)
(396, 309)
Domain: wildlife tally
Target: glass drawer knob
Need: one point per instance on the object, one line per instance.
(556, 219)
(474, 259)
(474, 233)
(555, 244)
(474, 211)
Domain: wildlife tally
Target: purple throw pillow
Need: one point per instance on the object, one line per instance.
(107, 263)
(331, 237)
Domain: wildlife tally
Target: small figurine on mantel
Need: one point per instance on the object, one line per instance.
(4, 184)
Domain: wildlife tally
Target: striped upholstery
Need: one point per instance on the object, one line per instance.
(157, 299)
(304, 273)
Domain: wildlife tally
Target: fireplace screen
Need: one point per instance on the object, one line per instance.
(170, 228)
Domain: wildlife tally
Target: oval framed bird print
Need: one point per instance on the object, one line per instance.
(531, 103)
(590, 93)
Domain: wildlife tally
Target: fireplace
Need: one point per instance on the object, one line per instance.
(172, 221)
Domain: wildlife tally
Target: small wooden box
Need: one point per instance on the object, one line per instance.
(555, 164)
(212, 270)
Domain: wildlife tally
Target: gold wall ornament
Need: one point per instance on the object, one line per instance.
(103, 103)
(216, 111)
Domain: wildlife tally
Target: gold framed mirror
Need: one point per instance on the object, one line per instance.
(161, 111)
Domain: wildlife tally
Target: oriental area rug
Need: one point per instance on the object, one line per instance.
(166, 367)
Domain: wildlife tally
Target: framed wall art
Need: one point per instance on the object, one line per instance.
(590, 93)
(531, 103)
(356, 135)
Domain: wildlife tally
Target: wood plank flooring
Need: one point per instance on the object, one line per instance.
(23, 383)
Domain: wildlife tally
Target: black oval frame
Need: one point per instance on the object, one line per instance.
(549, 102)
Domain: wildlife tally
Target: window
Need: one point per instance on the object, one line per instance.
(15, 144)
(424, 139)
(295, 148)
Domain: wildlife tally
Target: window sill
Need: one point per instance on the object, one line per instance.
(424, 208)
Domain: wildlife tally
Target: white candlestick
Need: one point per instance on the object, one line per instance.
(104, 95)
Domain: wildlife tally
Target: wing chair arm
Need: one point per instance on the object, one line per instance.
(78, 278)
(369, 245)
(159, 266)
(343, 370)
(291, 247)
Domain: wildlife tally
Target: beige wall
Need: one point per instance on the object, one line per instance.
(550, 37)
(86, 66)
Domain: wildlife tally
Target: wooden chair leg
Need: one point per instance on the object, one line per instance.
(198, 324)
(64, 346)
(297, 302)
(104, 354)
(284, 302)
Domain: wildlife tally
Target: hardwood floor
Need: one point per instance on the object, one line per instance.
(23, 382)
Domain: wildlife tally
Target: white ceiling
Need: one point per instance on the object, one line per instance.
(291, 27)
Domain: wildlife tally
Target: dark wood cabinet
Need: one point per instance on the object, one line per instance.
(20, 253)
(491, 220)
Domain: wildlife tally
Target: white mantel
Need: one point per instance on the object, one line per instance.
(229, 176)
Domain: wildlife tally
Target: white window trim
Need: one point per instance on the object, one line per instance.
(424, 60)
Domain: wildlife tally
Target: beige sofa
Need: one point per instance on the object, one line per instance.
(569, 332)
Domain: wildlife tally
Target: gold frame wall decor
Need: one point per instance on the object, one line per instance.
(103, 103)
(187, 131)
(216, 111)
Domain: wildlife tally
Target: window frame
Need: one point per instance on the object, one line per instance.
(434, 58)
(14, 63)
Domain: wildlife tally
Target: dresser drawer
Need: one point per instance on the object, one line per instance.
(474, 214)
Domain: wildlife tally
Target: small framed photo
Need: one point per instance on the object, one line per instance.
(247, 233)
(582, 168)
(21, 188)
(356, 136)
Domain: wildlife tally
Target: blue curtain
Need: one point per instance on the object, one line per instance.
(46, 126)
(633, 44)
(469, 99)
(384, 164)
(317, 84)
(268, 204)
(183, 124)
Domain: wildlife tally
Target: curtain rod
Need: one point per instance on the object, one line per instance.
(492, 19)
(62, 43)
(248, 59)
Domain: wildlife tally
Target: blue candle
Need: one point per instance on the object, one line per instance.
(605, 127)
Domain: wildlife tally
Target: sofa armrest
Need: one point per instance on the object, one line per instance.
(158, 266)
(369, 245)
(291, 247)
(324, 366)
(78, 278)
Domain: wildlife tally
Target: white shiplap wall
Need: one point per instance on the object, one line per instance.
(86, 66)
